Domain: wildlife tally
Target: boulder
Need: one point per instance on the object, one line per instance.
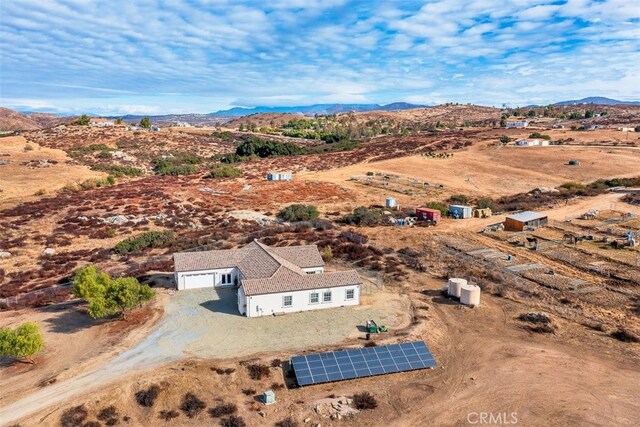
(5, 254)
(49, 252)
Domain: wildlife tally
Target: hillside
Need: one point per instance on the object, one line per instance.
(450, 115)
(13, 120)
(310, 110)
(598, 100)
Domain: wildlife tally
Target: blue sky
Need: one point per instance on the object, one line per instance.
(170, 56)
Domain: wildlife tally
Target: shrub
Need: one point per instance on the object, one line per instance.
(219, 170)
(249, 391)
(23, 342)
(444, 209)
(485, 202)
(572, 186)
(364, 216)
(625, 335)
(505, 139)
(150, 239)
(73, 417)
(258, 371)
(118, 171)
(222, 410)
(147, 398)
(538, 135)
(192, 405)
(364, 400)
(535, 317)
(168, 415)
(276, 363)
(326, 253)
(180, 163)
(459, 199)
(232, 421)
(299, 212)
(287, 422)
(41, 192)
(109, 415)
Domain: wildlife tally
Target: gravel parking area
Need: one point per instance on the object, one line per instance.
(206, 323)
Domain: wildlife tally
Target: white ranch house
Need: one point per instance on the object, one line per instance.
(270, 280)
(100, 122)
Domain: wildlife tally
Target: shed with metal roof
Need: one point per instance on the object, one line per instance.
(527, 220)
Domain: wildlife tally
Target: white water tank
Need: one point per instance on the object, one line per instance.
(470, 295)
(390, 202)
(454, 286)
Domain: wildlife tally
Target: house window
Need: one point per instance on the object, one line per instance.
(226, 279)
(350, 294)
(287, 301)
(314, 298)
(326, 296)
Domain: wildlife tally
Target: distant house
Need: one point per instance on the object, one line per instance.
(532, 142)
(156, 128)
(279, 176)
(182, 125)
(269, 280)
(517, 124)
(527, 220)
(627, 129)
(97, 121)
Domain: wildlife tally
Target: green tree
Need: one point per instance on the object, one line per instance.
(119, 121)
(107, 296)
(23, 342)
(145, 123)
(83, 120)
(505, 139)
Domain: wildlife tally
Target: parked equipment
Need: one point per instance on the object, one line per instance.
(372, 327)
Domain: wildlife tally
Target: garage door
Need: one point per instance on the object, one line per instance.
(193, 281)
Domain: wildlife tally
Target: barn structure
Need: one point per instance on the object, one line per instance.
(527, 220)
(428, 214)
(269, 280)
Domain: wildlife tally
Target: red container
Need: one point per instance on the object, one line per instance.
(426, 214)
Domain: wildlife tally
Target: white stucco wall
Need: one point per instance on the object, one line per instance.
(268, 304)
(179, 276)
(313, 270)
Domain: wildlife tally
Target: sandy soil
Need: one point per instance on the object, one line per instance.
(488, 362)
(74, 343)
(484, 169)
(205, 324)
(19, 182)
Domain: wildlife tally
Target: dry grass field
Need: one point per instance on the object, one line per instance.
(32, 168)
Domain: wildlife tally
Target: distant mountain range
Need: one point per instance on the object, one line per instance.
(316, 109)
(600, 100)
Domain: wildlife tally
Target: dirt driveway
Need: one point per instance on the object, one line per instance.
(205, 323)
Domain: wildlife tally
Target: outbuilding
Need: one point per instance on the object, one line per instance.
(460, 211)
(269, 280)
(279, 176)
(428, 214)
(527, 220)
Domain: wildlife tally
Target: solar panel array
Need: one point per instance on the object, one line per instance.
(361, 362)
